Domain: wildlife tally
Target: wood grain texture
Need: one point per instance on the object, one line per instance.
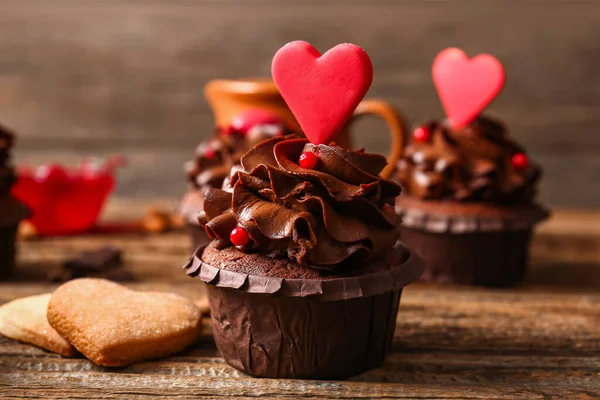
(540, 340)
(82, 77)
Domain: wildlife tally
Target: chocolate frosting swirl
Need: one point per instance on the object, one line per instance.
(339, 214)
(215, 157)
(472, 164)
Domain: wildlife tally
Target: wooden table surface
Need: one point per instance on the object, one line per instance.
(539, 340)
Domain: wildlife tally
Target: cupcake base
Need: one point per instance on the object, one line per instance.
(496, 259)
(7, 251)
(327, 328)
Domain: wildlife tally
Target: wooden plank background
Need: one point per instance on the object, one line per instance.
(80, 77)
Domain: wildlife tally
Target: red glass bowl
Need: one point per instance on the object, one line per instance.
(66, 206)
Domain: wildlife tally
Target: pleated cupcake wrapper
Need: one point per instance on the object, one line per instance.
(7, 250)
(12, 211)
(494, 258)
(408, 270)
(7, 179)
(467, 219)
(305, 328)
(301, 337)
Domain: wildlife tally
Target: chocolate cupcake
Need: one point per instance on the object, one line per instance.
(11, 210)
(469, 204)
(305, 270)
(215, 157)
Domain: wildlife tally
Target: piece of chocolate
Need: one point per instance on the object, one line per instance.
(59, 275)
(96, 260)
(105, 263)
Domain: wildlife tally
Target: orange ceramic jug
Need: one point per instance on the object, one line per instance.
(229, 98)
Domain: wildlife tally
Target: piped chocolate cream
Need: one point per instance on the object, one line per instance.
(478, 163)
(338, 214)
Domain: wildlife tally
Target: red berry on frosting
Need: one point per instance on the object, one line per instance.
(210, 153)
(239, 236)
(421, 134)
(520, 160)
(308, 160)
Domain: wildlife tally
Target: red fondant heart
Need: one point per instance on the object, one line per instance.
(322, 91)
(466, 86)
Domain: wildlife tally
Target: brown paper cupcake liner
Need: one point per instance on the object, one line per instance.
(12, 212)
(495, 259)
(7, 179)
(407, 270)
(466, 243)
(7, 251)
(460, 218)
(305, 329)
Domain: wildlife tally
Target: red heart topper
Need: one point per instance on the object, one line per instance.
(466, 86)
(322, 91)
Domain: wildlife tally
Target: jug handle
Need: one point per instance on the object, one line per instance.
(396, 125)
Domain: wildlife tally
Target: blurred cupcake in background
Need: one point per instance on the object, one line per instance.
(468, 203)
(12, 211)
(246, 112)
(215, 157)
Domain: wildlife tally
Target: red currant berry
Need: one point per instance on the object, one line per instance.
(421, 134)
(239, 236)
(51, 173)
(227, 131)
(308, 160)
(210, 153)
(520, 160)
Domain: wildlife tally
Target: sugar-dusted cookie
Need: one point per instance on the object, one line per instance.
(115, 326)
(25, 320)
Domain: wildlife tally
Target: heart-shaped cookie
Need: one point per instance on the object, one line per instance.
(466, 86)
(322, 91)
(115, 326)
(25, 320)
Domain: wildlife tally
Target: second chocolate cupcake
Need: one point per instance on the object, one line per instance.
(469, 203)
(215, 157)
(11, 210)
